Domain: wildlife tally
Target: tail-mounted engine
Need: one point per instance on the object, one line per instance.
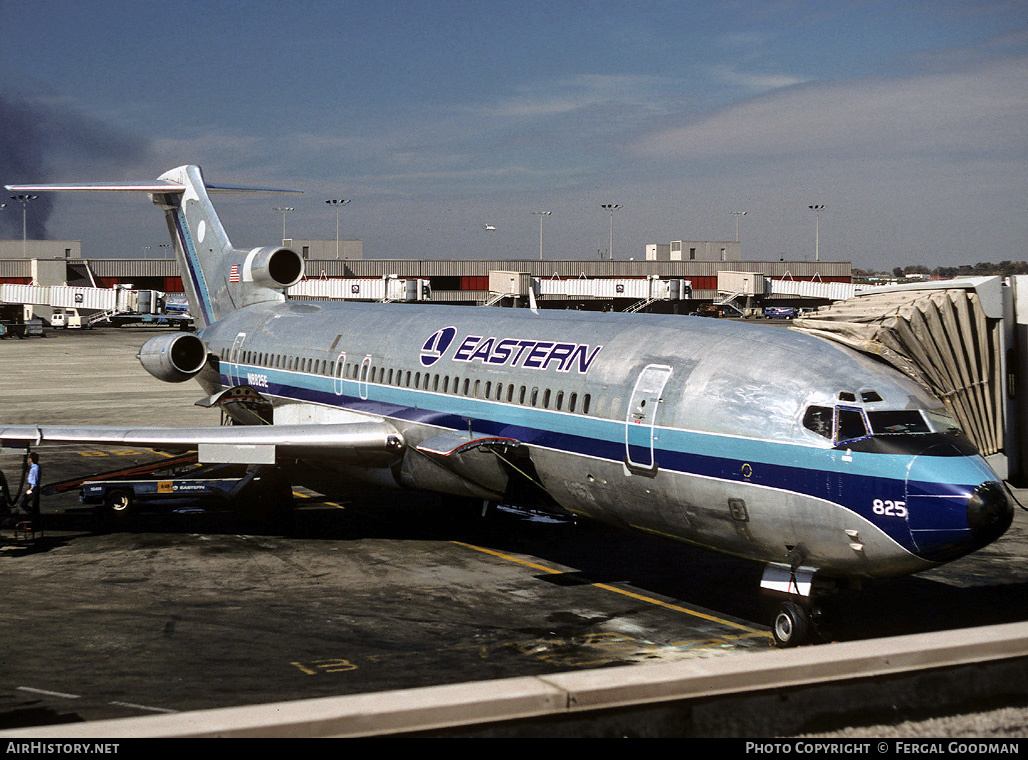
(173, 358)
(273, 267)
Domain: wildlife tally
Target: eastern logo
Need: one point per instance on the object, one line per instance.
(511, 352)
(436, 345)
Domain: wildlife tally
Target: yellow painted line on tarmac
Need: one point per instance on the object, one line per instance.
(308, 496)
(750, 632)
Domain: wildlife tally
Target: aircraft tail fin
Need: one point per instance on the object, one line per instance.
(217, 277)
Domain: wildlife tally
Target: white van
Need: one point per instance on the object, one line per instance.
(69, 319)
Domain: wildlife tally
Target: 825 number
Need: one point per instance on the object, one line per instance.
(889, 508)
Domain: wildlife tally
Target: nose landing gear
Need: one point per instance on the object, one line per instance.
(797, 620)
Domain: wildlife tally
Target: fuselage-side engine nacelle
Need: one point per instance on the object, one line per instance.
(173, 358)
(273, 267)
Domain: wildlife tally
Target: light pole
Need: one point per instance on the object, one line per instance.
(737, 214)
(338, 205)
(611, 207)
(285, 210)
(816, 208)
(541, 214)
(24, 201)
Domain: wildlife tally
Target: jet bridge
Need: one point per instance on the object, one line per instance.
(964, 341)
(106, 302)
(383, 289)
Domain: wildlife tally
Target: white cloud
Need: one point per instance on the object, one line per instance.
(574, 94)
(975, 112)
(753, 81)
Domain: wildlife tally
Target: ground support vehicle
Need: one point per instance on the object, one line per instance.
(180, 483)
(254, 489)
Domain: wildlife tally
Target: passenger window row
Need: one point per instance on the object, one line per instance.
(511, 393)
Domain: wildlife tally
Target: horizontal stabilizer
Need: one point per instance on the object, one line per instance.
(149, 186)
(245, 189)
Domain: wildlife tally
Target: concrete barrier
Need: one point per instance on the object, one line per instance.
(597, 695)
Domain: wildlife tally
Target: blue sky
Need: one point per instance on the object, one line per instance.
(905, 119)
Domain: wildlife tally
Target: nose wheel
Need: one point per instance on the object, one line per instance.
(792, 625)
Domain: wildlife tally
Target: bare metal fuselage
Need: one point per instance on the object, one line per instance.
(681, 426)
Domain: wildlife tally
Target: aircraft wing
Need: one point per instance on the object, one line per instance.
(370, 443)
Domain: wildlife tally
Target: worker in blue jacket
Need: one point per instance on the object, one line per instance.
(30, 499)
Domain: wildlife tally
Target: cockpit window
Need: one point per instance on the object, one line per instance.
(941, 422)
(843, 424)
(839, 424)
(819, 419)
(850, 425)
(896, 422)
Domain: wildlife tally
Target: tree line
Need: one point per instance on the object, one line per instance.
(981, 269)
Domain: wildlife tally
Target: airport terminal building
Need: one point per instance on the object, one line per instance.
(692, 265)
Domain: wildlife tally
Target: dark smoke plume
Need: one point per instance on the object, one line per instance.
(35, 138)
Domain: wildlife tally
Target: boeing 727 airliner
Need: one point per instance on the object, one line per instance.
(766, 444)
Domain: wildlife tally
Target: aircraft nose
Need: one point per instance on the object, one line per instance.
(956, 504)
(989, 513)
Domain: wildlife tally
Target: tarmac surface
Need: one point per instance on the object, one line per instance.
(369, 590)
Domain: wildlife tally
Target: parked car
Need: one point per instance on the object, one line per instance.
(779, 312)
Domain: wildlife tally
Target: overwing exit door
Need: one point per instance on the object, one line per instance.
(235, 375)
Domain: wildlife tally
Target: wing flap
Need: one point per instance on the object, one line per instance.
(356, 442)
